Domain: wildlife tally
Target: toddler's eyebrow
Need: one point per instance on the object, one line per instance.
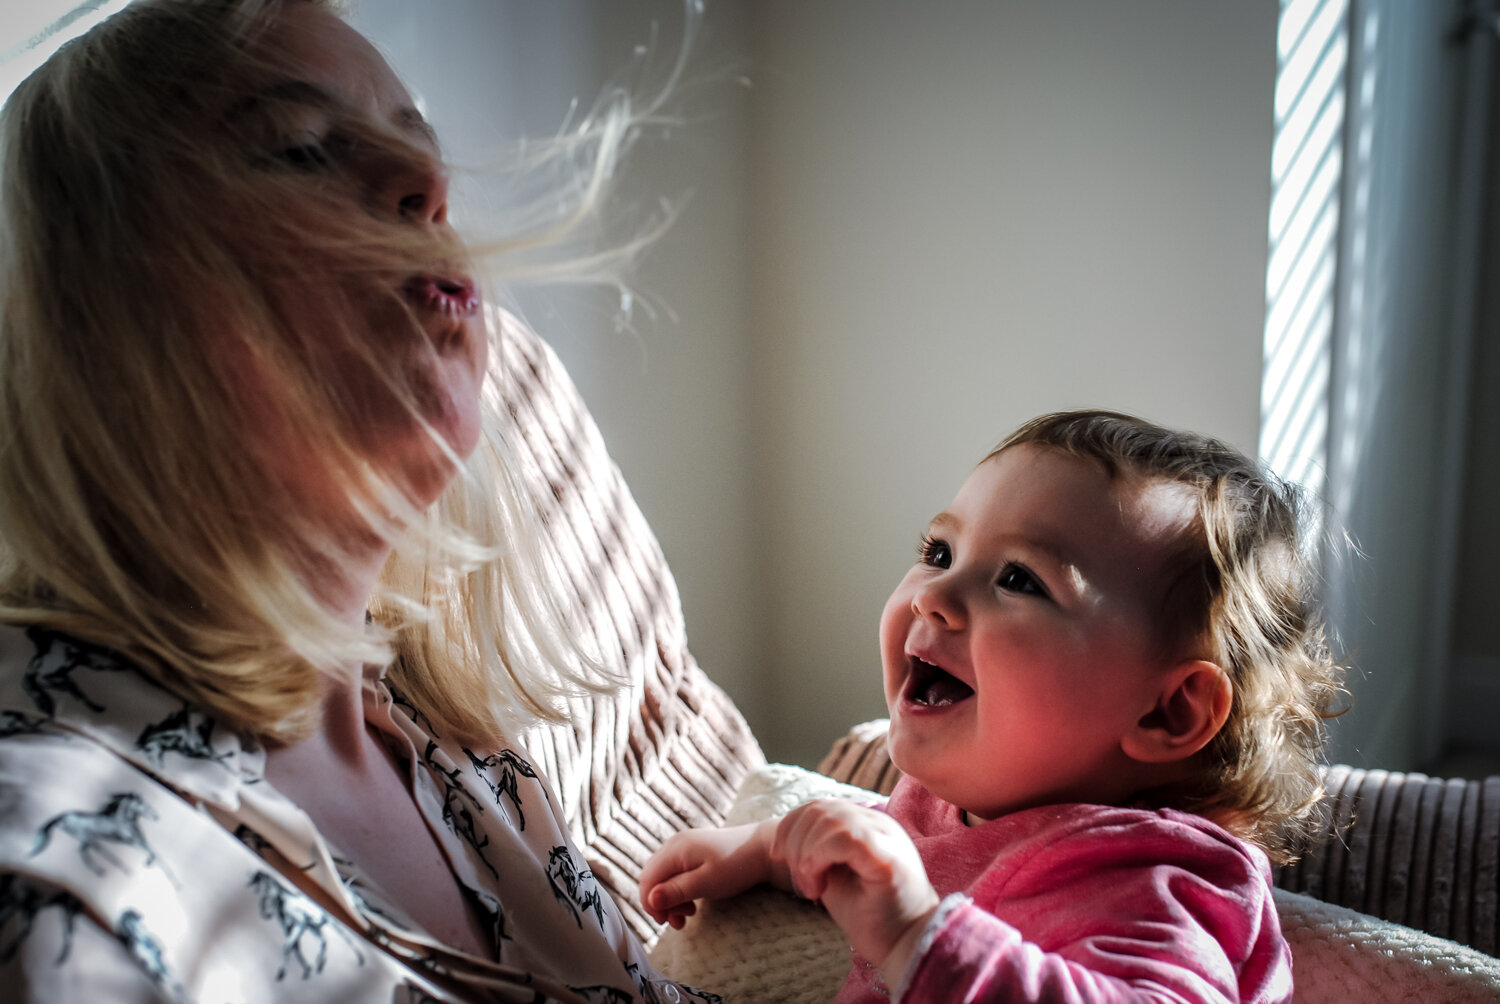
(943, 521)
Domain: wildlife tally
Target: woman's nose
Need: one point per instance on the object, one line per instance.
(938, 600)
(417, 191)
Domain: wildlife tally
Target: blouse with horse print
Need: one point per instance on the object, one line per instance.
(144, 857)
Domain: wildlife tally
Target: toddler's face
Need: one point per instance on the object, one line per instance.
(1021, 647)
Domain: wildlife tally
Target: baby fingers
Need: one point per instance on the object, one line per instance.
(828, 834)
(667, 900)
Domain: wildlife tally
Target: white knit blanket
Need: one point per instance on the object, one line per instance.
(766, 946)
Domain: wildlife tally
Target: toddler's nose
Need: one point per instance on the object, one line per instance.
(938, 600)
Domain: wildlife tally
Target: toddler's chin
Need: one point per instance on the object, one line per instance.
(896, 748)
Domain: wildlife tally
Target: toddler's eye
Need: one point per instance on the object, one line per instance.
(1016, 579)
(935, 552)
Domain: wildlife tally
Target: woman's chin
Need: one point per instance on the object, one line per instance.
(426, 477)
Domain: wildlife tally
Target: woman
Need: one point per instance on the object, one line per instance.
(271, 608)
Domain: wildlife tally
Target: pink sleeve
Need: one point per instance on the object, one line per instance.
(1110, 914)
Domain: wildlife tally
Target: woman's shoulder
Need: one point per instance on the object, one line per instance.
(107, 798)
(52, 676)
(103, 778)
(126, 872)
(114, 887)
(58, 690)
(100, 865)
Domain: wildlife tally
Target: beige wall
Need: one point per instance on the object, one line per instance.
(967, 214)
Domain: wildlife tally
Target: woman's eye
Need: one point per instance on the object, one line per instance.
(1016, 579)
(935, 552)
(304, 157)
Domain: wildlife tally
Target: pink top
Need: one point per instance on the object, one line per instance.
(1087, 903)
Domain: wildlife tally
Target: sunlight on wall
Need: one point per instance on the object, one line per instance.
(1367, 328)
(1302, 273)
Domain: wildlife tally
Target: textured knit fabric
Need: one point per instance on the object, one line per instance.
(144, 857)
(1087, 903)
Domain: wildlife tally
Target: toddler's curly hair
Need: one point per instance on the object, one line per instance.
(1243, 591)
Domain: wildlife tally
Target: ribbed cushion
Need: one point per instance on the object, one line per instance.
(860, 758)
(1408, 848)
(1418, 850)
(670, 751)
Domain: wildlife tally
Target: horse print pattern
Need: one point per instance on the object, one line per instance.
(574, 887)
(499, 771)
(21, 902)
(260, 847)
(299, 918)
(494, 912)
(117, 823)
(159, 787)
(456, 814)
(51, 669)
(131, 931)
(354, 885)
(18, 723)
(251, 839)
(412, 711)
(187, 732)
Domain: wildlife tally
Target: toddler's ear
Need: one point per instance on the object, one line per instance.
(1191, 707)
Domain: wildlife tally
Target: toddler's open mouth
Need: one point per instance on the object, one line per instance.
(933, 687)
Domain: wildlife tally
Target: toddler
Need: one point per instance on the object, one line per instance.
(1107, 687)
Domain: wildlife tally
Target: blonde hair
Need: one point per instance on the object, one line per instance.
(1244, 587)
(147, 260)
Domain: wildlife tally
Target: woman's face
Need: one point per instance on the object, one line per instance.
(311, 124)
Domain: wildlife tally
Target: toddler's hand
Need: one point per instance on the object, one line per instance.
(867, 873)
(704, 864)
